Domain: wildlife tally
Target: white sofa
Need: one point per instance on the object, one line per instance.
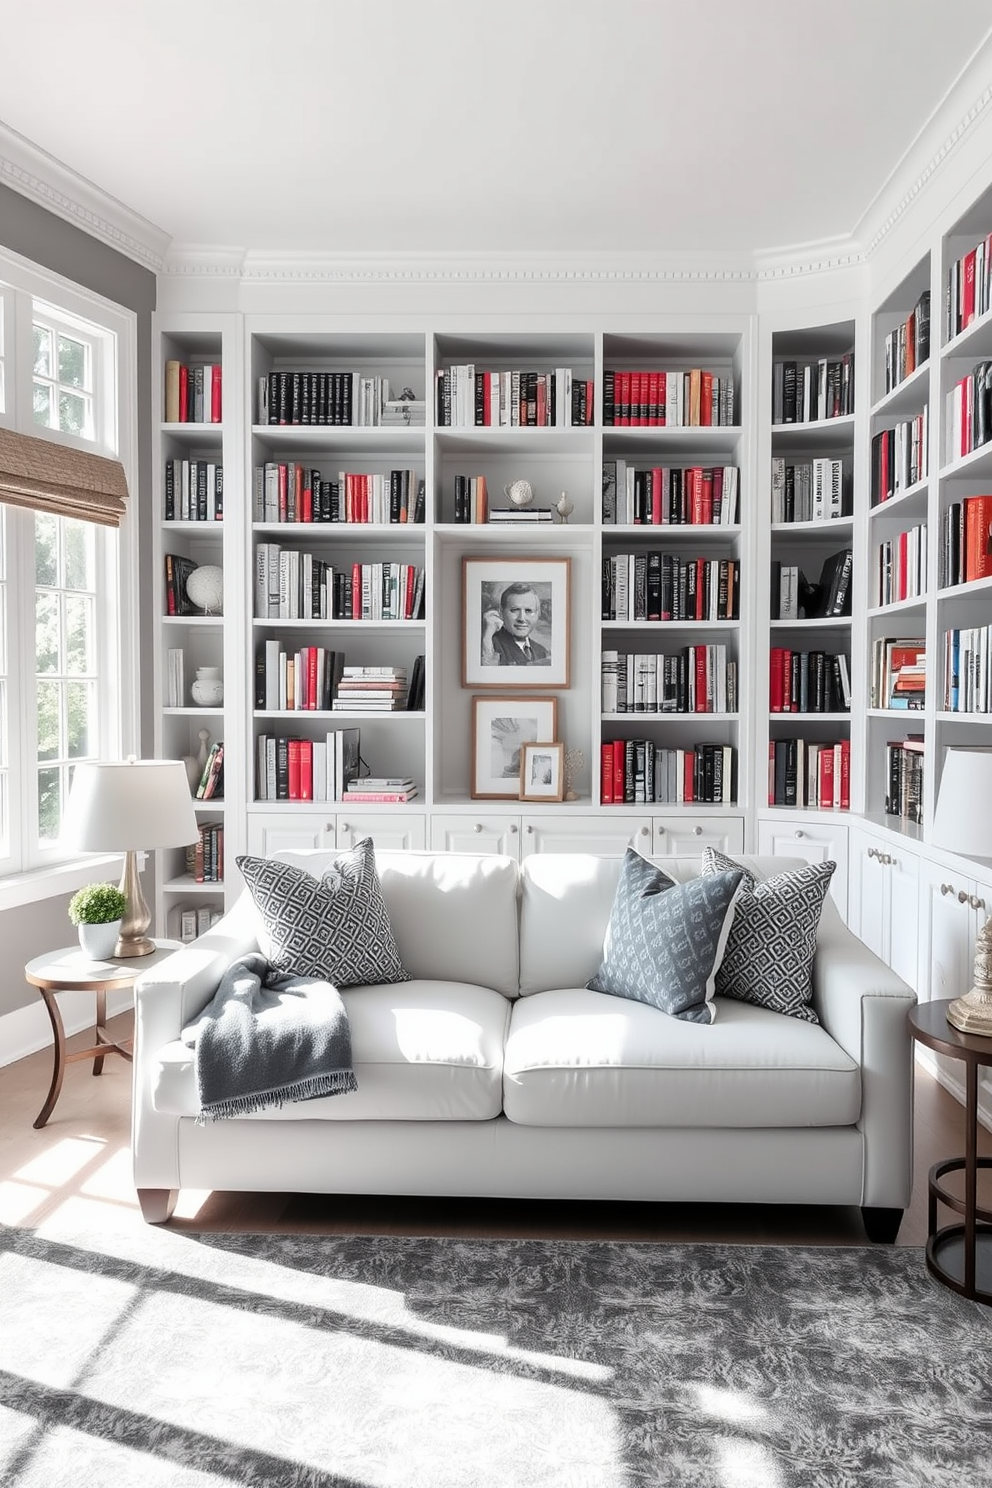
(494, 1072)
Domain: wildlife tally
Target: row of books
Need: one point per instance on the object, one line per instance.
(177, 570)
(900, 457)
(672, 399)
(696, 679)
(901, 566)
(908, 346)
(968, 669)
(665, 586)
(808, 681)
(290, 585)
(205, 856)
(339, 399)
(304, 680)
(188, 921)
(898, 672)
(904, 767)
(659, 495)
(793, 597)
(969, 412)
(808, 774)
(808, 490)
(805, 392)
(194, 491)
(470, 501)
(968, 293)
(192, 392)
(300, 769)
(965, 542)
(639, 770)
(290, 492)
(466, 396)
(175, 678)
(210, 786)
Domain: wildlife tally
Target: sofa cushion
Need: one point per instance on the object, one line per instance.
(336, 927)
(769, 956)
(421, 1051)
(664, 941)
(575, 1057)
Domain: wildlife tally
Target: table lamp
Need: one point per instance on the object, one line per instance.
(962, 823)
(130, 806)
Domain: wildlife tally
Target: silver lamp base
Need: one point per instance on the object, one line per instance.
(972, 1013)
(133, 939)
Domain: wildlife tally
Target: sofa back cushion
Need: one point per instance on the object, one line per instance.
(453, 915)
(566, 899)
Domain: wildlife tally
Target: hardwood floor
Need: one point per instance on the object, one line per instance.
(80, 1162)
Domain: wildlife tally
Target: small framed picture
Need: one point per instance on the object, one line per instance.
(501, 727)
(515, 622)
(542, 772)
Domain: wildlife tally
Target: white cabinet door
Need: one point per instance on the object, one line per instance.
(902, 870)
(952, 911)
(867, 909)
(398, 831)
(591, 834)
(476, 834)
(268, 833)
(816, 840)
(686, 836)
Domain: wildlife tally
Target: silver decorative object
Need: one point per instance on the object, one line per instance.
(574, 761)
(972, 1013)
(564, 506)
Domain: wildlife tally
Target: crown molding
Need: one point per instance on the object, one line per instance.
(30, 170)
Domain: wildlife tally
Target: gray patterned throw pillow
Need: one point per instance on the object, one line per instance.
(769, 957)
(665, 940)
(336, 927)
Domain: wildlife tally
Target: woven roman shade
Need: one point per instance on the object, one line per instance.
(49, 477)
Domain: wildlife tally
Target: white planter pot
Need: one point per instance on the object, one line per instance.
(99, 941)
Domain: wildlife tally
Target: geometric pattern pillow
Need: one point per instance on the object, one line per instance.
(665, 940)
(336, 927)
(769, 956)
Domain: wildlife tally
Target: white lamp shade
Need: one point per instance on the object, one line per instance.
(962, 822)
(129, 806)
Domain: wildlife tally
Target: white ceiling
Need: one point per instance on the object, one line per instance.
(450, 126)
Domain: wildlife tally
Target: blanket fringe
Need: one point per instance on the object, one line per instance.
(339, 1082)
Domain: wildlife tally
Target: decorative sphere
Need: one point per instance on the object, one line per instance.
(205, 587)
(520, 492)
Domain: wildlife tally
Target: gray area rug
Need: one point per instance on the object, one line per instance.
(151, 1357)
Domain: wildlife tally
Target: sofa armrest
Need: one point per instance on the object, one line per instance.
(170, 994)
(863, 1005)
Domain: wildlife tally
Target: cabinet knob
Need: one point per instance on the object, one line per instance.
(977, 903)
(697, 831)
(947, 888)
(962, 897)
(886, 859)
(529, 829)
(799, 831)
(872, 852)
(645, 831)
(477, 827)
(344, 826)
(513, 827)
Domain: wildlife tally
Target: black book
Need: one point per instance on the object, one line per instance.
(419, 512)
(654, 586)
(608, 385)
(922, 328)
(790, 383)
(775, 597)
(791, 787)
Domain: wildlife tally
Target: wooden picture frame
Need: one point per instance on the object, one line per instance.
(515, 622)
(542, 772)
(501, 727)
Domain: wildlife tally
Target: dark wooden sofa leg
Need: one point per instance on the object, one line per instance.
(157, 1204)
(882, 1225)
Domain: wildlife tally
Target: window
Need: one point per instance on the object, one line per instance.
(66, 595)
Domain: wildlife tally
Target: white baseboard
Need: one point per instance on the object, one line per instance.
(28, 1029)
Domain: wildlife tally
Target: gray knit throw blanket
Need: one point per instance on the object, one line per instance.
(267, 1037)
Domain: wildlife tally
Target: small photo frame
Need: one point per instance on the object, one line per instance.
(515, 622)
(542, 772)
(501, 728)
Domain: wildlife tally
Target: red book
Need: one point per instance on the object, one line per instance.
(306, 769)
(825, 783)
(706, 397)
(487, 399)
(621, 394)
(657, 515)
(844, 791)
(977, 537)
(902, 566)
(606, 774)
(968, 288)
(771, 772)
(694, 475)
(542, 402)
(775, 679)
(215, 398)
(311, 692)
(662, 396)
(183, 393)
(283, 494)
(634, 415)
(688, 776)
(619, 769)
(408, 596)
(702, 706)
(294, 769)
(356, 591)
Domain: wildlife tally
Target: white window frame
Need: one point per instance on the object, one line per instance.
(29, 872)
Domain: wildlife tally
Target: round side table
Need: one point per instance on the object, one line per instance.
(959, 1255)
(71, 970)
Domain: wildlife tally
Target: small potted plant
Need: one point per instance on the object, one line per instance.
(98, 910)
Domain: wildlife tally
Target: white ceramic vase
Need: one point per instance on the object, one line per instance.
(99, 941)
(208, 689)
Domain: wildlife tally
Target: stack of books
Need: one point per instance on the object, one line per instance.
(403, 413)
(389, 788)
(898, 672)
(520, 514)
(371, 689)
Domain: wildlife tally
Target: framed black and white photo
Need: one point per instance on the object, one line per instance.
(542, 776)
(515, 622)
(501, 728)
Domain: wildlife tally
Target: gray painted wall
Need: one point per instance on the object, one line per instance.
(35, 234)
